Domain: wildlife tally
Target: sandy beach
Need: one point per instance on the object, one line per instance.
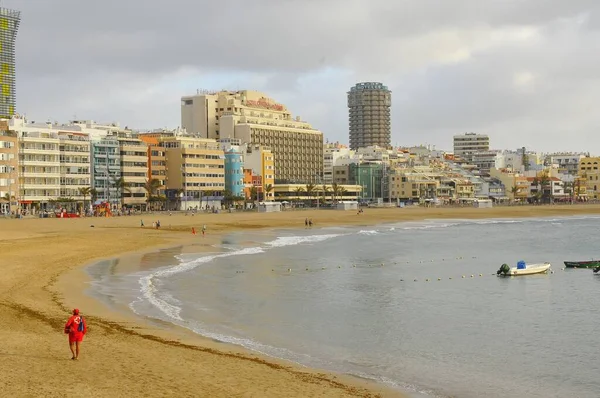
(42, 280)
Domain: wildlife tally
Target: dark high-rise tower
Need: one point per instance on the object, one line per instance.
(369, 107)
(9, 24)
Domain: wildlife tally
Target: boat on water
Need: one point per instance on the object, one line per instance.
(523, 269)
(582, 264)
(597, 270)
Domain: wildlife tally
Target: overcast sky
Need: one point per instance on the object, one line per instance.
(526, 72)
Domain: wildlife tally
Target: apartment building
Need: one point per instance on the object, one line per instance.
(470, 142)
(75, 150)
(157, 160)
(196, 165)
(589, 172)
(331, 153)
(409, 184)
(39, 176)
(567, 163)
(234, 172)
(133, 153)
(369, 107)
(106, 169)
(261, 161)
(253, 118)
(9, 163)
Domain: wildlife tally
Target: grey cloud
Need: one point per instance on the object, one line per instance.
(452, 65)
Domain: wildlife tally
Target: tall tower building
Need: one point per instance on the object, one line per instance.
(369, 107)
(9, 24)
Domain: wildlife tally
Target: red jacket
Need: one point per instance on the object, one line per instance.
(73, 323)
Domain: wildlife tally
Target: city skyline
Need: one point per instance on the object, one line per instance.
(521, 73)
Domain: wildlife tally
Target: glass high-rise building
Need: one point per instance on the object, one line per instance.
(369, 113)
(9, 24)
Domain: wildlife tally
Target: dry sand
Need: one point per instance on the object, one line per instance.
(41, 279)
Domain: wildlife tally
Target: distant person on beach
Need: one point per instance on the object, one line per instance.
(76, 328)
(204, 230)
(310, 223)
(142, 223)
(306, 223)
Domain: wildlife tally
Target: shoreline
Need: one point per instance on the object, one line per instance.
(41, 255)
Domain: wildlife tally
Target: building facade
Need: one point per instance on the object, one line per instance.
(9, 169)
(75, 172)
(106, 169)
(234, 172)
(589, 172)
(369, 107)
(197, 167)
(39, 177)
(370, 177)
(469, 143)
(261, 161)
(9, 25)
(253, 118)
(133, 154)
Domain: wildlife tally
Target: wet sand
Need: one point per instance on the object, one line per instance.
(42, 280)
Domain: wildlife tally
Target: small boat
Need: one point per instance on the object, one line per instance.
(523, 269)
(582, 264)
(597, 270)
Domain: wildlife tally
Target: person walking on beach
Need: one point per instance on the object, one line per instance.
(203, 229)
(76, 328)
(310, 223)
(142, 223)
(306, 223)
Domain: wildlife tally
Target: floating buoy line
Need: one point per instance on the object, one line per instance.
(303, 270)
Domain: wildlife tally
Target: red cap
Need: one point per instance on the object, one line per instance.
(75, 311)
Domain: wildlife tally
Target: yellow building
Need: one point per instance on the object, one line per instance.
(261, 161)
(134, 170)
(253, 118)
(413, 185)
(589, 172)
(194, 165)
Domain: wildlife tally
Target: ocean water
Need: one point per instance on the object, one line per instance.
(414, 305)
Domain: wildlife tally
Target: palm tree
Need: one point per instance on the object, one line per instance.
(514, 190)
(344, 192)
(310, 189)
(298, 191)
(122, 186)
(268, 189)
(84, 191)
(93, 195)
(325, 192)
(253, 193)
(335, 191)
(546, 186)
(151, 188)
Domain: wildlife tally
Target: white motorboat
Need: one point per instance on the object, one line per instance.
(523, 269)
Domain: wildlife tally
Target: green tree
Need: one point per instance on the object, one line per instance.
(310, 190)
(121, 186)
(335, 192)
(268, 189)
(85, 191)
(93, 195)
(151, 186)
(298, 191)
